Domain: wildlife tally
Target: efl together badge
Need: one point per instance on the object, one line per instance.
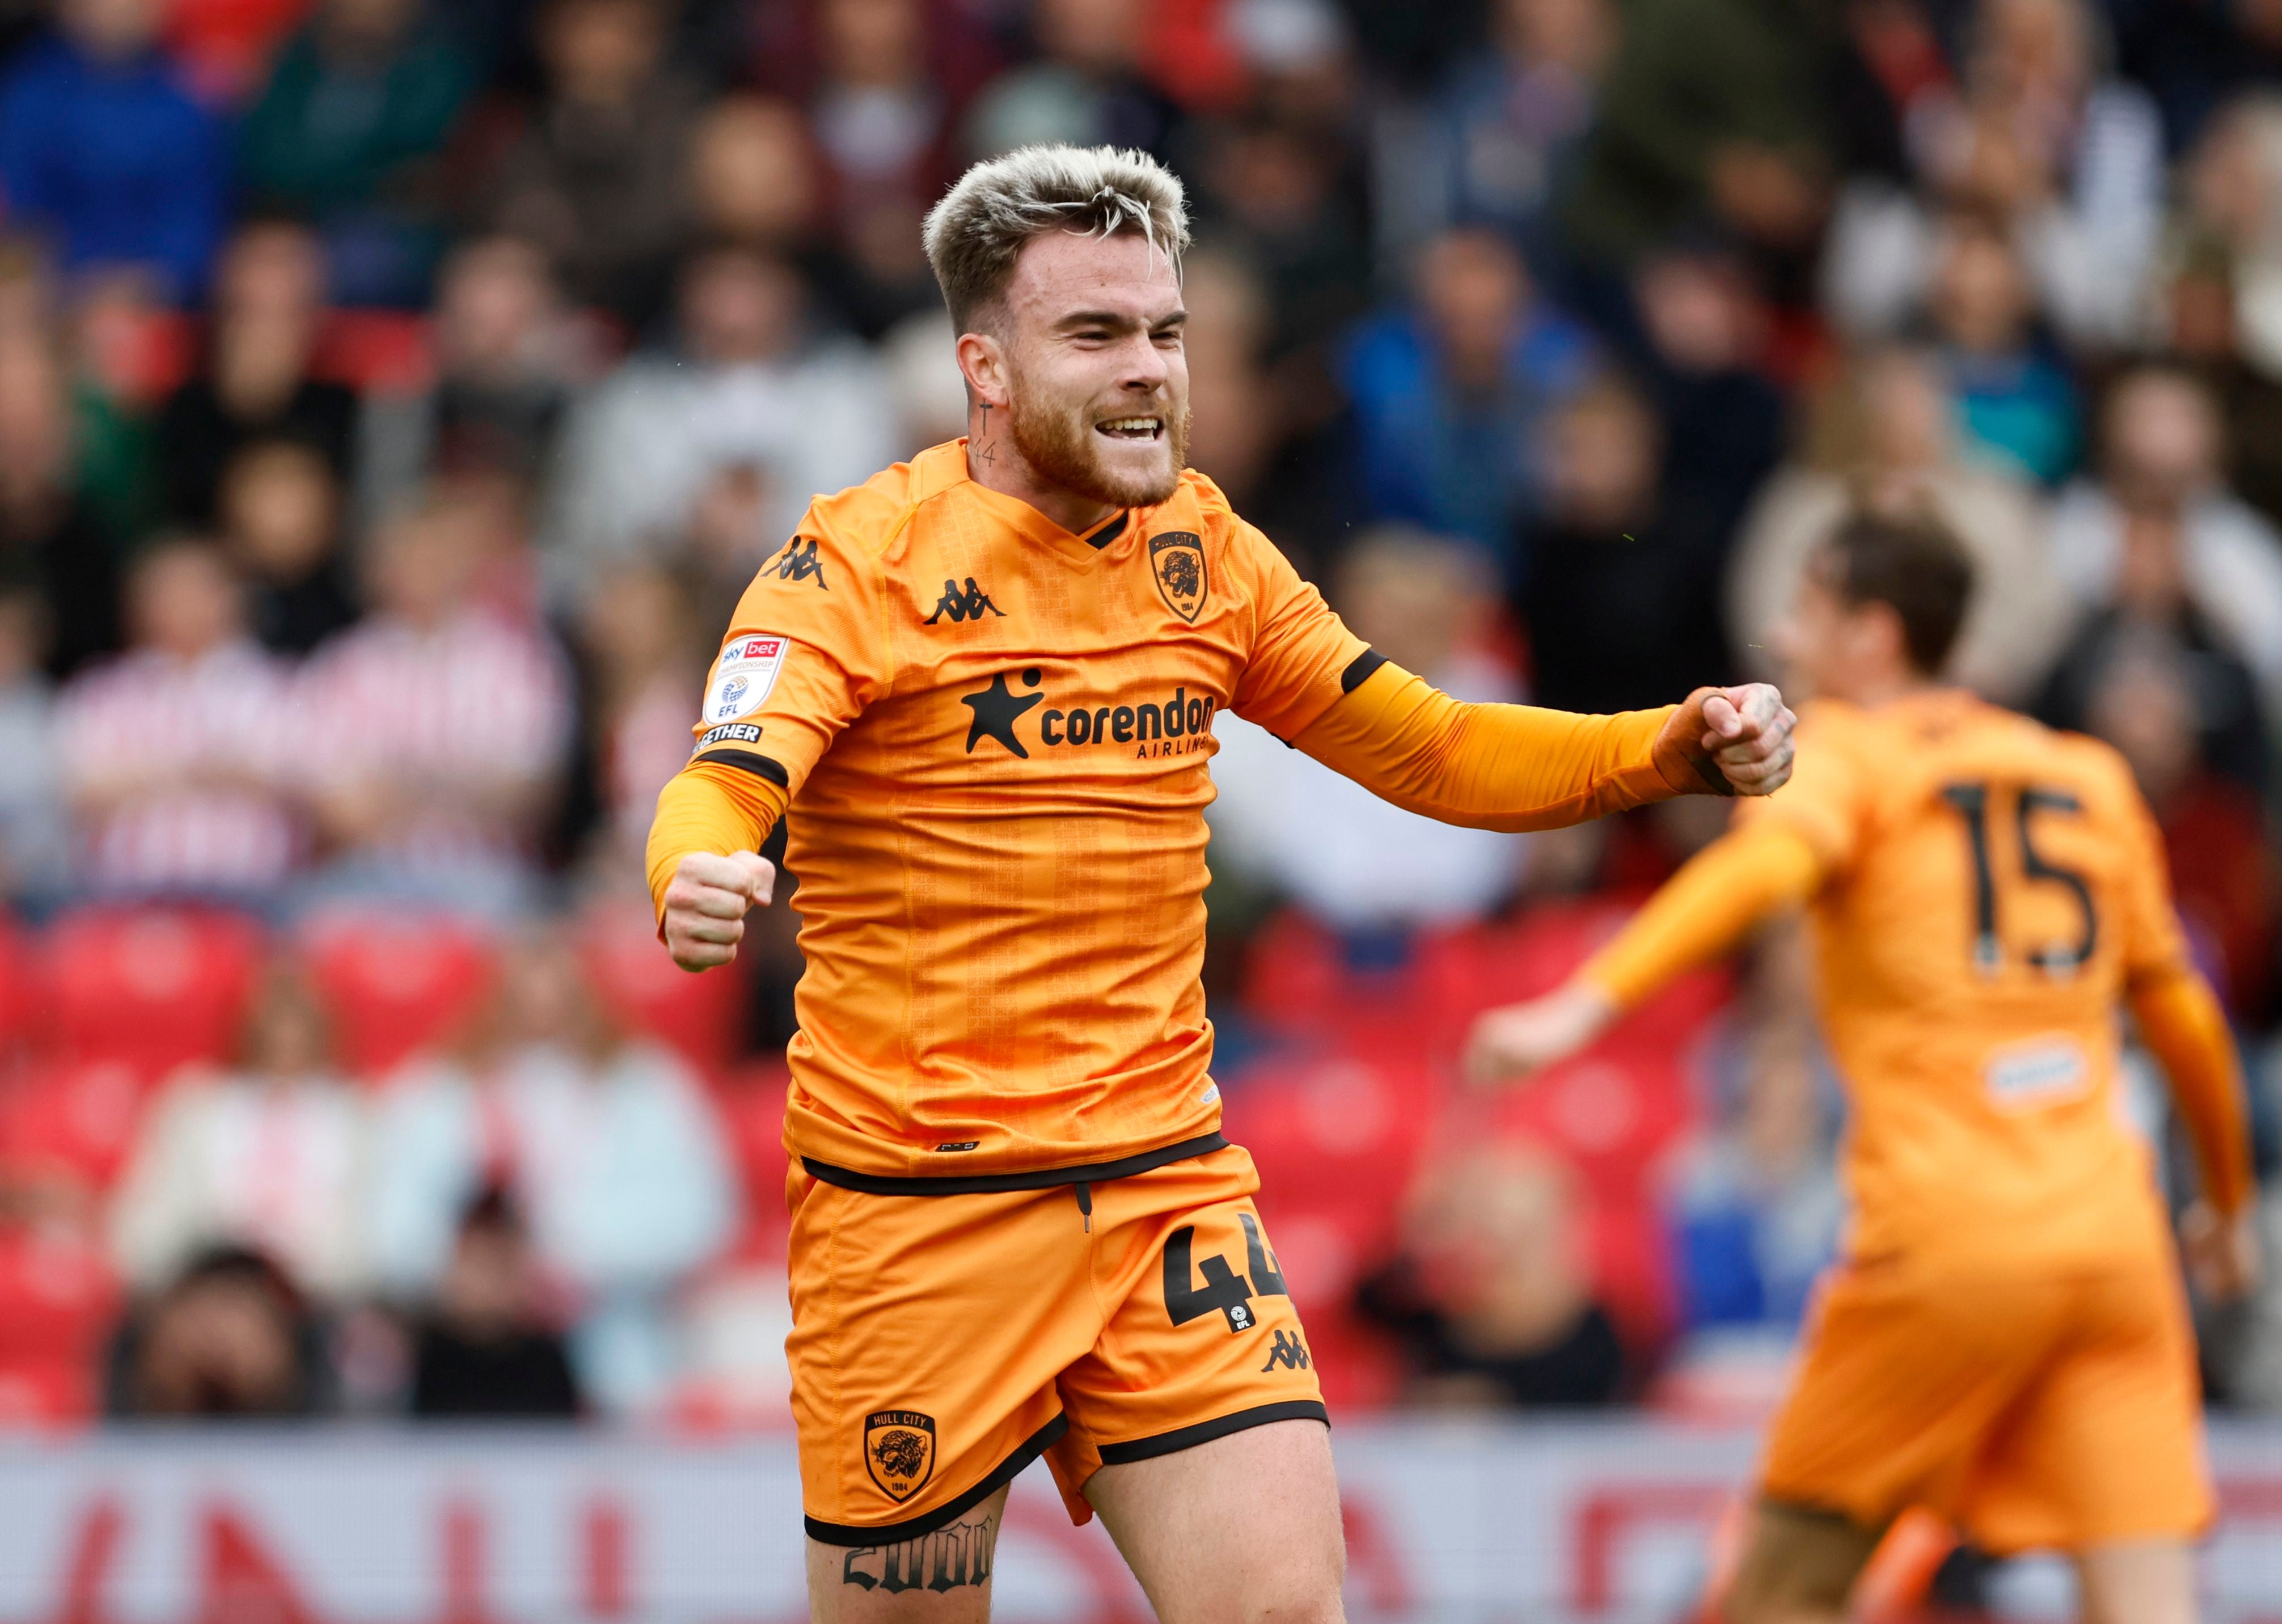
(747, 672)
(1177, 559)
(899, 1451)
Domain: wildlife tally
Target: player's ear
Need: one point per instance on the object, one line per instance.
(982, 362)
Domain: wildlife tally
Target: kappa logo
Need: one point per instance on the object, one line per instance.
(1178, 560)
(961, 606)
(899, 1451)
(1288, 1352)
(797, 562)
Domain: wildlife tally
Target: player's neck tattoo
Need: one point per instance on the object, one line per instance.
(948, 1560)
(980, 448)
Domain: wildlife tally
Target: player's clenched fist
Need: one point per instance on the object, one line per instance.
(706, 905)
(1727, 741)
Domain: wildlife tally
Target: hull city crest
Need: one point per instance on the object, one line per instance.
(899, 1451)
(1178, 560)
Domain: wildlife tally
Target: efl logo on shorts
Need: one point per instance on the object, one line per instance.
(899, 1451)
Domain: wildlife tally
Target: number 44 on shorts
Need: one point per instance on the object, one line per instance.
(1223, 1288)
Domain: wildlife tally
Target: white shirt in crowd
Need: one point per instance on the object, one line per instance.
(473, 699)
(215, 737)
(231, 1158)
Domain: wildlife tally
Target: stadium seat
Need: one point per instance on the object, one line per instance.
(57, 1299)
(384, 351)
(751, 1100)
(153, 988)
(77, 1117)
(700, 1016)
(1335, 1133)
(20, 991)
(396, 984)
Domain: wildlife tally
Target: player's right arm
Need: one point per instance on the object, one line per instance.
(2182, 1024)
(1779, 855)
(804, 656)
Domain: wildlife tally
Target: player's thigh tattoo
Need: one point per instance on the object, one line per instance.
(947, 1559)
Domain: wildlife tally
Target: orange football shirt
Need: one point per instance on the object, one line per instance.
(1993, 889)
(995, 737)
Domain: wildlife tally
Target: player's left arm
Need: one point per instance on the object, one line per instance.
(2184, 1026)
(1310, 680)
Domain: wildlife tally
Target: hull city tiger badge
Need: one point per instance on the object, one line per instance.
(899, 1451)
(1178, 560)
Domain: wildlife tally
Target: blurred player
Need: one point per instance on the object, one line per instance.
(984, 684)
(2005, 1340)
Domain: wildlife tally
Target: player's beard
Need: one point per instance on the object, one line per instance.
(1059, 445)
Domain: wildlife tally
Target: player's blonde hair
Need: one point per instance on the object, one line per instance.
(973, 236)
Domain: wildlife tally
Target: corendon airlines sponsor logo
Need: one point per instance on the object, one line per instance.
(1174, 724)
(1173, 727)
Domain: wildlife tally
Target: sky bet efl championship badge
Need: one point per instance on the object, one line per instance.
(899, 1451)
(1178, 560)
(746, 673)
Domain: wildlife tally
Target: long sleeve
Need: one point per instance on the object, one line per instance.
(1705, 909)
(1507, 767)
(708, 807)
(2180, 1020)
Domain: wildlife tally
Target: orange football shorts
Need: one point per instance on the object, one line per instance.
(2033, 1409)
(942, 1343)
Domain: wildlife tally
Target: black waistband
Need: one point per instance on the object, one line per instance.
(1028, 1179)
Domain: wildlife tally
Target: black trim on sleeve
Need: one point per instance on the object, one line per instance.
(1205, 1432)
(926, 1522)
(995, 1184)
(751, 761)
(1359, 670)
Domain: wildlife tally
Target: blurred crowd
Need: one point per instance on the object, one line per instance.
(395, 396)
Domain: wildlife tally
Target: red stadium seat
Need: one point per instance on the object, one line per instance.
(751, 1100)
(80, 1118)
(386, 352)
(396, 982)
(700, 1016)
(21, 989)
(57, 1302)
(1334, 1133)
(153, 988)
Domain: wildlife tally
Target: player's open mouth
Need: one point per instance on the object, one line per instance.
(1131, 428)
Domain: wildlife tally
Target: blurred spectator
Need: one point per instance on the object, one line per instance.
(2185, 716)
(751, 384)
(52, 536)
(607, 1144)
(2015, 402)
(1756, 1209)
(268, 1155)
(2150, 639)
(2219, 297)
(33, 846)
(1711, 111)
(1086, 86)
(1511, 119)
(648, 678)
(281, 521)
(486, 1349)
(599, 178)
(1884, 437)
(347, 131)
(178, 756)
(1283, 197)
(1611, 585)
(229, 1337)
(1351, 859)
(256, 383)
(103, 151)
(2066, 161)
(1491, 1295)
(1449, 395)
(2163, 452)
(436, 728)
(507, 360)
(1703, 356)
(225, 46)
